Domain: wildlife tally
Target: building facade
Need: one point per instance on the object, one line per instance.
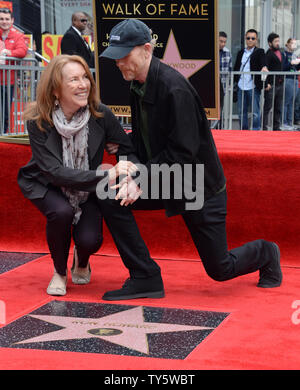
(265, 16)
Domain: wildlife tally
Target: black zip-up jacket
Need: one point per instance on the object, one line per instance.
(274, 65)
(257, 62)
(72, 43)
(178, 130)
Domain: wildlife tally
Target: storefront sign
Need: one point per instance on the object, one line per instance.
(51, 45)
(6, 4)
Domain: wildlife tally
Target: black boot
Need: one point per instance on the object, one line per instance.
(270, 274)
(138, 288)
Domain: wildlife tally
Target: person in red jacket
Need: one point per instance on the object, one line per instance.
(12, 44)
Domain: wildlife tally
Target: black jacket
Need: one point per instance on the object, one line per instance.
(46, 165)
(178, 129)
(274, 65)
(72, 43)
(257, 62)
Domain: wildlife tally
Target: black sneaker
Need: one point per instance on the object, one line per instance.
(270, 274)
(138, 288)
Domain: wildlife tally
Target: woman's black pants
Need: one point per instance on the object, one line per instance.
(87, 233)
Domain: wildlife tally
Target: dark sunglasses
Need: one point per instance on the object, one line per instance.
(5, 10)
(252, 38)
(83, 20)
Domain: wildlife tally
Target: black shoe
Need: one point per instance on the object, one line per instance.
(138, 288)
(270, 274)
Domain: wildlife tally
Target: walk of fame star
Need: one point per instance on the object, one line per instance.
(109, 328)
(173, 58)
(126, 328)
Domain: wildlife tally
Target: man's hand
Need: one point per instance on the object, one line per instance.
(121, 168)
(5, 52)
(268, 87)
(296, 61)
(129, 191)
(112, 148)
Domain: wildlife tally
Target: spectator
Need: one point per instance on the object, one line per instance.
(12, 44)
(89, 28)
(297, 106)
(290, 64)
(250, 59)
(274, 90)
(73, 41)
(225, 66)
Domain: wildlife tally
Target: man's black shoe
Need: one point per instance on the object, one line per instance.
(270, 274)
(138, 288)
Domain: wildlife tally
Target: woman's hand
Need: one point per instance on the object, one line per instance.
(123, 167)
(129, 191)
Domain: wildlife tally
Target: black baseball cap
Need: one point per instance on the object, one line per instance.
(125, 36)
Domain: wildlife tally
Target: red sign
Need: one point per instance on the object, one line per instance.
(6, 4)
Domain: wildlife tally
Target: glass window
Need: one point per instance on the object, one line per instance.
(58, 13)
(282, 19)
(231, 21)
(253, 15)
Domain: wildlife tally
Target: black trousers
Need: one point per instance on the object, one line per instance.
(208, 230)
(277, 95)
(87, 233)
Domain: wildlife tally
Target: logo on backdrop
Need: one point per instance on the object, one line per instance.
(186, 39)
(172, 57)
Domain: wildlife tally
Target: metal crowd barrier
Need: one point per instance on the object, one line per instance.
(287, 106)
(17, 87)
(27, 71)
(18, 82)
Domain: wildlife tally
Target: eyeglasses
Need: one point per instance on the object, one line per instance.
(83, 20)
(252, 38)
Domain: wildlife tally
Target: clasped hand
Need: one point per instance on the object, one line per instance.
(129, 191)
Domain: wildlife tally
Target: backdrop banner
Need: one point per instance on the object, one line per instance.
(187, 39)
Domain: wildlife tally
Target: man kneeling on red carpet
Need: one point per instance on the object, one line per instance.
(169, 126)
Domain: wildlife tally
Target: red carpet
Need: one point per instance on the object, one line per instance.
(258, 334)
(263, 170)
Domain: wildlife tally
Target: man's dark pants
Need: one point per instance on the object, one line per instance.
(275, 97)
(208, 230)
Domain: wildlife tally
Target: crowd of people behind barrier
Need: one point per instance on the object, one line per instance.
(264, 101)
(272, 100)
